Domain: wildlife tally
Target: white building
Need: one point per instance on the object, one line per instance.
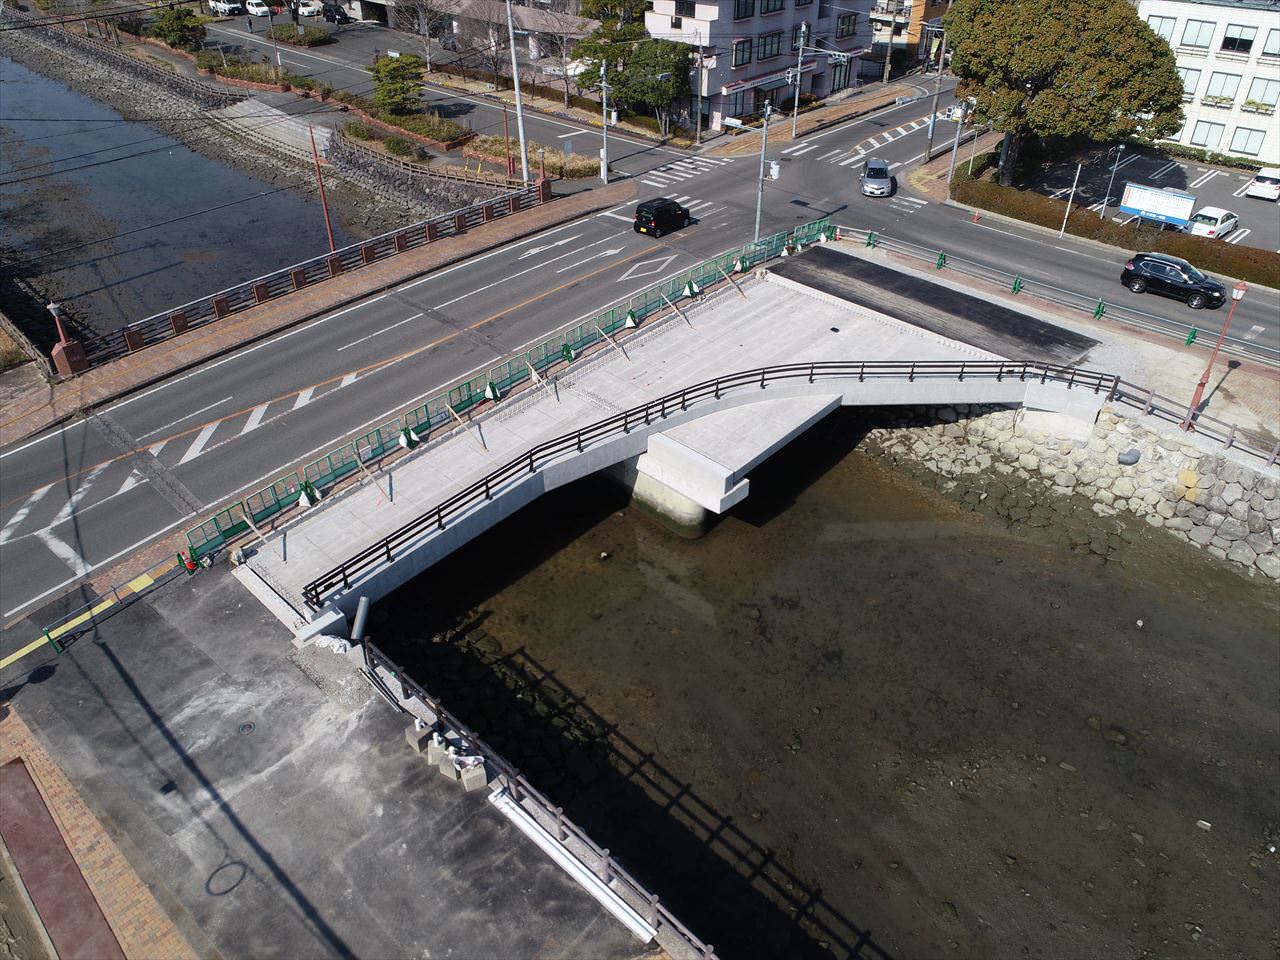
(743, 49)
(1229, 59)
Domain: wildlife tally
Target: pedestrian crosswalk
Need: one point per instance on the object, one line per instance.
(683, 169)
(849, 156)
(697, 208)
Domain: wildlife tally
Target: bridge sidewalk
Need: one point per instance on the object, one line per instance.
(57, 402)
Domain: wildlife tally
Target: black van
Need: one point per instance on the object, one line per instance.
(655, 217)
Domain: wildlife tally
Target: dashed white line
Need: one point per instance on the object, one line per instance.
(378, 333)
(255, 418)
(152, 433)
(303, 398)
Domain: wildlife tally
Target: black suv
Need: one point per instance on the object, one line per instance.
(655, 217)
(1173, 277)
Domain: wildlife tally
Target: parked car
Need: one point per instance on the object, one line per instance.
(256, 8)
(655, 217)
(335, 14)
(1212, 222)
(1265, 184)
(310, 8)
(1172, 277)
(226, 8)
(876, 179)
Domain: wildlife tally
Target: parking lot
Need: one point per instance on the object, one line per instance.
(1211, 186)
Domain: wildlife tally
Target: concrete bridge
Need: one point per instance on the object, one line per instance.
(664, 413)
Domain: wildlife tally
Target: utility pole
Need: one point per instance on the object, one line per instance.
(937, 92)
(515, 77)
(795, 107)
(604, 121)
(764, 142)
(697, 123)
(888, 48)
(271, 32)
(955, 147)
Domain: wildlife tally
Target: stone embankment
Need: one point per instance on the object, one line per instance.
(400, 184)
(988, 458)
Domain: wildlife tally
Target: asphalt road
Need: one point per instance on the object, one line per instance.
(79, 498)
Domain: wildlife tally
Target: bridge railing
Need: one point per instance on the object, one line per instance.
(444, 409)
(1091, 303)
(573, 839)
(383, 552)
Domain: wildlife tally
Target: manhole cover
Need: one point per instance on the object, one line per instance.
(247, 728)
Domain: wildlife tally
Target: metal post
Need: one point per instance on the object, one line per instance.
(1107, 196)
(795, 107)
(1237, 294)
(604, 122)
(324, 202)
(955, 147)
(1070, 199)
(973, 149)
(271, 32)
(937, 92)
(515, 78)
(764, 142)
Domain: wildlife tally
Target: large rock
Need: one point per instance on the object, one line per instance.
(1270, 565)
(1123, 487)
(1201, 535)
(1178, 523)
(1241, 552)
(1233, 529)
(1231, 492)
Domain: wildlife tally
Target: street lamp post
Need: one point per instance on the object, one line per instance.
(1237, 294)
(1107, 196)
(795, 107)
(764, 142)
(937, 92)
(271, 32)
(515, 78)
(604, 122)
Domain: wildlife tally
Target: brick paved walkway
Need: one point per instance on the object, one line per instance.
(53, 404)
(140, 926)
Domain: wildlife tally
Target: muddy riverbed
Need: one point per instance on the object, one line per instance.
(857, 708)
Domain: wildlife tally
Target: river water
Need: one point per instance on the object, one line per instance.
(180, 225)
(857, 706)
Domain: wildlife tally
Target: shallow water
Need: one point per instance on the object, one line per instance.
(857, 706)
(71, 173)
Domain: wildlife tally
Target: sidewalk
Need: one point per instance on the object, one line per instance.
(54, 403)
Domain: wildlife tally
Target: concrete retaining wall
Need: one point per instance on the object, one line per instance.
(1211, 501)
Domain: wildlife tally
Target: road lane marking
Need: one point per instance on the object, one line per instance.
(1240, 192)
(78, 494)
(829, 154)
(347, 381)
(594, 256)
(1239, 235)
(378, 333)
(1205, 178)
(1254, 331)
(255, 418)
(130, 482)
(1164, 170)
(167, 426)
(652, 183)
(197, 445)
(618, 216)
(22, 513)
(65, 552)
(572, 133)
(304, 397)
(512, 276)
(856, 156)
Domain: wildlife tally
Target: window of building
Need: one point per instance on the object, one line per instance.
(1190, 80)
(1207, 135)
(741, 52)
(1163, 25)
(685, 8)
(846, 26)
(1238, 38)
(771, 6)
(798, 35)
(1272, 47)
(1197, 33)
(769, 45)
(677, 23)
(1222, 86)
(803, 3)
(839, 76)
(740, 103)
(743, 9)
(1247, 141)
(1264, 91)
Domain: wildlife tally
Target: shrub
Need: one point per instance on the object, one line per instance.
(423, 123)
(397, 146)
(1244, 263)
(359, 131)
(1208, 156)
(309, 37)
(178, 27)
(574, 166)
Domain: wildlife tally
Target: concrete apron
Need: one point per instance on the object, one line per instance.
(682, 467)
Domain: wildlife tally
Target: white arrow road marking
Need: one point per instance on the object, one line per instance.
(197, 445)
(532, 251)
(594, 256)
(21, 515)
(255, 418)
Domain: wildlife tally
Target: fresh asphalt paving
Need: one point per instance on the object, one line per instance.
(1211, 186)
(80, 497)
(268, 798)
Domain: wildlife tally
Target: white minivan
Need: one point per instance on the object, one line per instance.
(1265, 185)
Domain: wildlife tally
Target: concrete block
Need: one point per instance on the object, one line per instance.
(475, 777)
(447, 767)
(418, 739)
(436, 749)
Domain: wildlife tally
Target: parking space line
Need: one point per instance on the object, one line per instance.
(1205, 178)
(1239, 235)
(1164, 170)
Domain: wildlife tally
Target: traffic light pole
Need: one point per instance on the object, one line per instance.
(937, 92)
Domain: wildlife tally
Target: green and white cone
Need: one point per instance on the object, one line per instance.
(407, 439)
(568, 353)
(691, 289)
(741, 265)
(491, 392)
(630, 323)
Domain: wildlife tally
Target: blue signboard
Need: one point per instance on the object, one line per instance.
(1152, 203)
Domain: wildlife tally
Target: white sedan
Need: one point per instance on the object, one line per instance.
(1213, 222)
(257, 8)
(310, 8)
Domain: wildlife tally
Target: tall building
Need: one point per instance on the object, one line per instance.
(902, 25)
(743, 49)
(1229, 59)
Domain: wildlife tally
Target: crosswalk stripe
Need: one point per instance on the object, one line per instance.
(197, 445)
(873, 142)
(22, 513)
(701, 204)
(1239, 235)
(684, 198)
(917, 202)
(653, 183)
(77, 495)
(255, 418)
(901, 132)
(856, 156)
(830, 154)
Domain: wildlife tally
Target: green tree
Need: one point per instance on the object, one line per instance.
(180, 27)
(1063, 68)
(655, 75)
(397, 82)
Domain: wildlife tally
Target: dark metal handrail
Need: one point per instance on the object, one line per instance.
(608, 868)
(383, 551)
